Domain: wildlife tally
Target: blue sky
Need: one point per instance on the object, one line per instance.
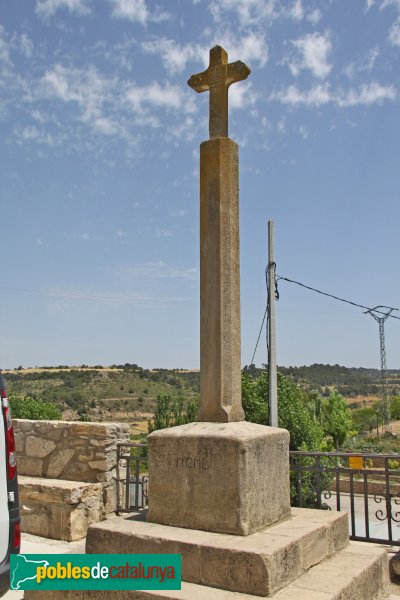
(99, 170)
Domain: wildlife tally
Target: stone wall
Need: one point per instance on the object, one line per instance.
(67, 475)
(69, 450)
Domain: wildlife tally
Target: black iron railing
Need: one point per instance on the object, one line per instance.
(367, 486)
(132, 479)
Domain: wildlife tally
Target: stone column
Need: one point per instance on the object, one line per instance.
(220, 363)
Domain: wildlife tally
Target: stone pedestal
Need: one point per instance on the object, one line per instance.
(222, 477)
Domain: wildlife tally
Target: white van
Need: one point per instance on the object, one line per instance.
(10, 532)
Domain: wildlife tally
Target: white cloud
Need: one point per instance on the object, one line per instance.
(370, 59)
(386, 3)
(242, 95)
(133, 10)
(120, 55)
(383, 4)
(85, 87)
(296, 11)
(248, 11)
(167, 96)
(17, 42)
(303, 131)
(37, 115)
(314, 50)
(394, 33)
(314, 16)
(105, 126)
(187, 128)
(4, 49)
(281, 125)
(365, 64)
(31, 133)
(47, 8)
(252, 12)
(250, 47)
(175, 56)
(373, 93)
(98, 101)
(316, 96)
(319, 95)
(24, 44)
(136, 11)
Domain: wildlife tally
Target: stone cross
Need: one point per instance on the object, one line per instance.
(219, 474)
(220, 362)
(217, 79)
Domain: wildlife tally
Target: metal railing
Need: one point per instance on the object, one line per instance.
(132, 479)
(356, 483)
(367, 486)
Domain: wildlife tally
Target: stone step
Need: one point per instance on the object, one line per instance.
(61, 509)
(358, 572)
(261, 563)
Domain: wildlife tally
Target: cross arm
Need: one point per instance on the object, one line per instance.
(199, 82)
(236, 71)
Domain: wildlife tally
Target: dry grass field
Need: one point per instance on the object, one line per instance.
(60, 370)
(362, 400)
(140, 427)
(396, 428)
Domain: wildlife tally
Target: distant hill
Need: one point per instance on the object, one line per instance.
(349, 381)
(126, 391)
(129, 392)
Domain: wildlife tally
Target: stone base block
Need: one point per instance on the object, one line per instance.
(358, 572)
(260, 564)
(222, 477)
(62, 510)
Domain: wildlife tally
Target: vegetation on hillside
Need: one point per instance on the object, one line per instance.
(128, 392)
(96, 393)
(349, 382)
(24, 407)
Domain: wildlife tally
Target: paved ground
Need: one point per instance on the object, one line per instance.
(377, 528)
(32, 544)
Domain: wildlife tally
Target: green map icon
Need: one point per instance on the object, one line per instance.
(24, 569)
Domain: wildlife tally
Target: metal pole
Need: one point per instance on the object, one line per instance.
(273, 384)
(385, 395)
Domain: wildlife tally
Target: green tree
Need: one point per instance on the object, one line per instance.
(294, 414)
(171, 412)
(364, 419)
(25, 407)
(395, 407)
(336, 418)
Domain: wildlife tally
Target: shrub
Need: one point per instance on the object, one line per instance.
(25, 407)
